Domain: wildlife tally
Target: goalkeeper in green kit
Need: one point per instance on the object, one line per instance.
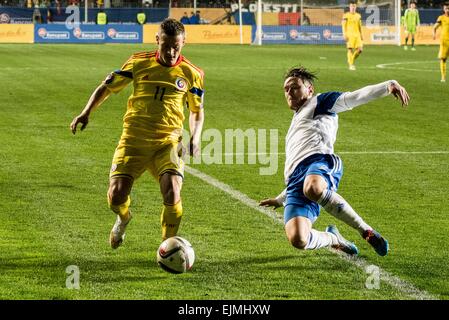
(411, 22)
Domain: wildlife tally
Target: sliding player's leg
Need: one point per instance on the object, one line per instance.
(301, 212)
(302, 236)
(320, 186)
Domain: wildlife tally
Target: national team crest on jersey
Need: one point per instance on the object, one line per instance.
(181, 84)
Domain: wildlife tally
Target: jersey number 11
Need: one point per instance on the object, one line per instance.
(162, 92)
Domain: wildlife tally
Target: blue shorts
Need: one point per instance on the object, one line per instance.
(329, 166)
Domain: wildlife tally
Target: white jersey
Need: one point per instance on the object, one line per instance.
(314, 125)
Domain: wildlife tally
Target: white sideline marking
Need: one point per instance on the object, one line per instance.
(392, 66)
(392, 280)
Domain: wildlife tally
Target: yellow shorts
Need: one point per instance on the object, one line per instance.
(132, 161)
(354, 43)
(444, 50)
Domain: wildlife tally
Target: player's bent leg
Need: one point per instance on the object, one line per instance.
(170, 186)
(316, 189)
(337, 206)
(298, 220)
(118, 194)
(301, 235)
(298, 230)
(119, 201)
(314, 185)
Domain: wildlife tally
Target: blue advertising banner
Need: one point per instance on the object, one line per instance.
(88, 33)
(302, 35)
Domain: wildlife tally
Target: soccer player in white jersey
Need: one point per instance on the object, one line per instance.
(312, 170)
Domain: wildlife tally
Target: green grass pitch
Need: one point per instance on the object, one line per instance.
(53, 209)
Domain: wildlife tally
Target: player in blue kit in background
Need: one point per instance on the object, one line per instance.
(312, 170)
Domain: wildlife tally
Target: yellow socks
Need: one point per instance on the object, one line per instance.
(443, 69)
(170, 219)
(122, 209)
(350, 58)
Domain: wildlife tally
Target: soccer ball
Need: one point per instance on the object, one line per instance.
(175, 255)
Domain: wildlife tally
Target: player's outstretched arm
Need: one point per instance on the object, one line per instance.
(196, 121)
(350, 100)
(270, 202)
(399, 93)
(274, 202)
(100, 94)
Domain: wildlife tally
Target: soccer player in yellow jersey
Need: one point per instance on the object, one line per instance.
(163, 83)
(352, 33)
(443, 22)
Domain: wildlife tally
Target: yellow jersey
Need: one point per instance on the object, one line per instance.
(443, 21)
(352, 24)
(155, 110)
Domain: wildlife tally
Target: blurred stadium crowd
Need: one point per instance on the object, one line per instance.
(182, 3)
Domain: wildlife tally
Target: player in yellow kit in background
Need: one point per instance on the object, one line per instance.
(163, 83)
(443, 22)
(352, 33)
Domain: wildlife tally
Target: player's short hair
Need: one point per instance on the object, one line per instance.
(413, 2)
(172, 27)
(301, 73)
(352, 2)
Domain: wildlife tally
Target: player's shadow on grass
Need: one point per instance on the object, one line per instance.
(113, 270)
(305, 261)
(251, 261)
